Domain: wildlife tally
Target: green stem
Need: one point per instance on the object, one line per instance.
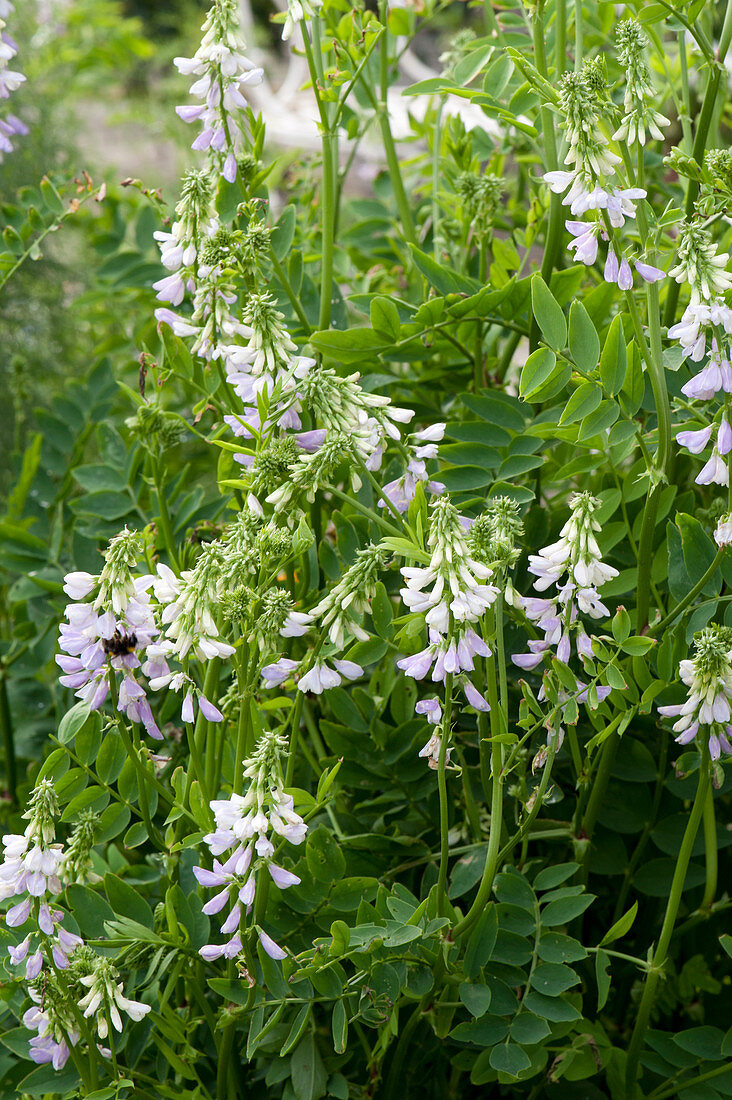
(672, 908)
(6, 276)
(538, 800)
(444, 808)
(294, 737)
(578, 35)
(658, 628)
(437, 239)
(560, 38)
(144, 775)
(294, 300)
(556, 220)
(165, 523)
(315, 64)
(494, 841)
(209, 730)
(198, 768)
(6, 729)
(710, 851)
(382, 111)
(394, 1085)
(243, 724)
(667, 1094)
(654, 365)
(645, 835)
(599, 787)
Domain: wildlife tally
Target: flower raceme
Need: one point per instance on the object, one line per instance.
(106, 639)
(221, 67)
(452, 594)
(10, 80)
(707, 712)
(574, 567)
(32, 869)
(246, 826)
(588, 184)
(704, 330)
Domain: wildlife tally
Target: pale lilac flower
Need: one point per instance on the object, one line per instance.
(695, 441)
(714, 472)
(241, 837)
(575, 556)
(431, 709)
(273, 949)
(648, 273)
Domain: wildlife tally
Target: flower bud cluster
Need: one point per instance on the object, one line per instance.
(592, 166)
(639, 113)
(246, 826)
(341, 610)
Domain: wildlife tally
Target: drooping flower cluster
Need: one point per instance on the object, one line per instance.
(90, 987)
(246, 826)
(313, 676)
(340, 611)
(493, 540)
(188, 615)
(423, 445)
(707, 711)
(179, 247)
(57, 962)
(572, 565)
(104, 1000)
(704, 330)
(221, 67)
(589, 182)
(452, 594)
(30, 871)
(104, 641)
(10, 80)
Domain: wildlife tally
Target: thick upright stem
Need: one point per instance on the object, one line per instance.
(672, 908)
(654, 364)
(711, 860)
(392, 160)
(578, 36)
(554, 230)
(328, 190)
(444, 808)
(494, 845)
(6, 729)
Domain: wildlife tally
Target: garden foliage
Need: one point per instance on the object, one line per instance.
(366, 679)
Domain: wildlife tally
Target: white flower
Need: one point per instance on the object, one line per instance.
(105, 999)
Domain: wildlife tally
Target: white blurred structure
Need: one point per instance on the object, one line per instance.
(290, 113)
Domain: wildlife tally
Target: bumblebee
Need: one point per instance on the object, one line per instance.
(119, 645)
